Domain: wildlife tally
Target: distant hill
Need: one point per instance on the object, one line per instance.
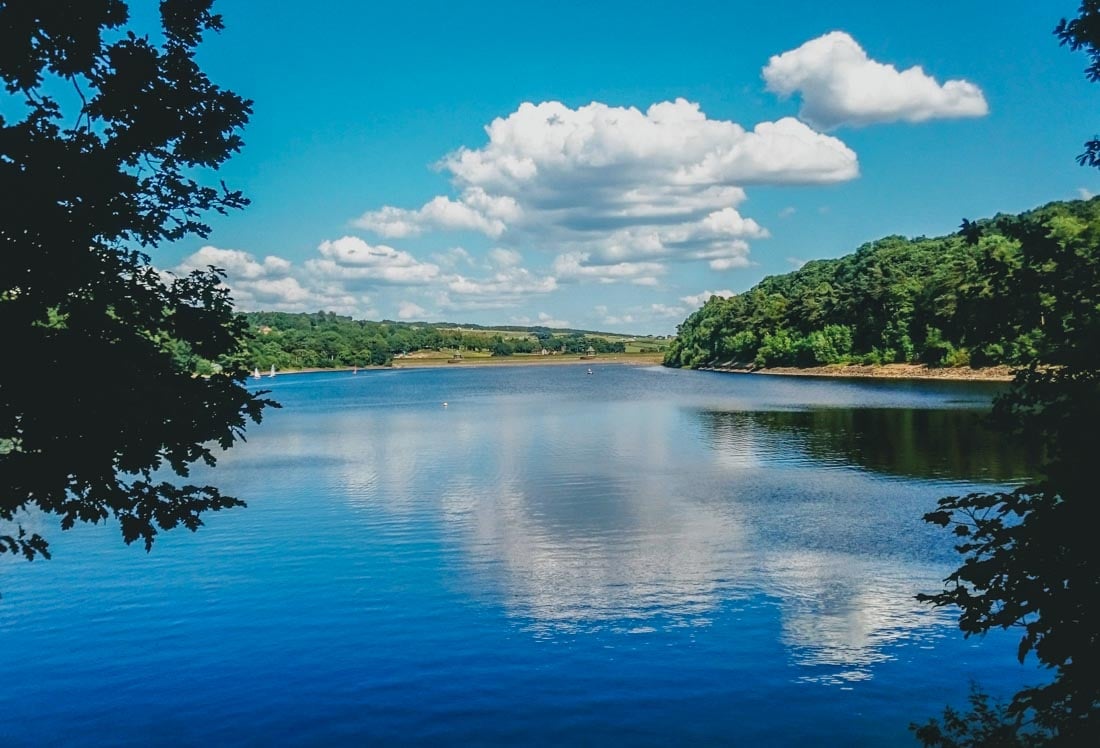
(325, 339)
(983, 296)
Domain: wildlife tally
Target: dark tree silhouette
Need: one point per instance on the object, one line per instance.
(1031, 559)
(1083, 33)
(102, 134)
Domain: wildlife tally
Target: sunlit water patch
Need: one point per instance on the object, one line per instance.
(640, 556)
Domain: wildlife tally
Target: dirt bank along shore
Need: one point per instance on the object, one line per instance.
(885, 371)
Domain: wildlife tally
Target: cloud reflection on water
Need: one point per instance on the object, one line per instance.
(645, 519)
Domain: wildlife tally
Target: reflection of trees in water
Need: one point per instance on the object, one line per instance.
(919, 443)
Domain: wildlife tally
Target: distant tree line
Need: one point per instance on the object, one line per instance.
(325, 339)
(983, 296)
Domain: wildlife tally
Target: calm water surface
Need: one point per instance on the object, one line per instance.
(640, 556)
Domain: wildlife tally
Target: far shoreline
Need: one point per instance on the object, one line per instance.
(842, 371)
(485, 362)
(880, 371)
(630, 359)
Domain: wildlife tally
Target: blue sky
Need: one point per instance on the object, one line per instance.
(643, 153)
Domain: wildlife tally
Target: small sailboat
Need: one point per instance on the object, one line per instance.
(272, 372)
(589, 371)
(355, 370)
(256, 373)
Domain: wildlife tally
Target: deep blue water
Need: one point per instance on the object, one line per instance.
(641, 556)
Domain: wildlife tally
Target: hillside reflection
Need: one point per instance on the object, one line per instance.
(915, 443)
(606, 518)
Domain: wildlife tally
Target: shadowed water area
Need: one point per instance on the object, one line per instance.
(639, 555)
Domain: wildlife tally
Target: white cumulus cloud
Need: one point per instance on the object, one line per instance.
(504, 258)
(575, 266)
(840, 85)
(338, 276)
(272, 283)
(237, 263)
(409, 310)
(697, 300)
(506, 283)
(547, 320)
(352, 259)
(606, 318)
(453, 258)
(619, 184)
(664, 310)
(439, 213)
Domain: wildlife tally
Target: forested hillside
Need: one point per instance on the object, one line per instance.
(983, 296)
(324, 339)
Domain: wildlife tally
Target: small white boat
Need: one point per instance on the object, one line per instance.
(272, 372)
(256, 373)
(589, 371)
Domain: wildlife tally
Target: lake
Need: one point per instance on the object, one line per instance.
(638, 556)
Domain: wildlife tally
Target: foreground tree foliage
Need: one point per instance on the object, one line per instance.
(978, 297)
(1030, 557)
(1083, 33)
(101, 135)
(988, 724)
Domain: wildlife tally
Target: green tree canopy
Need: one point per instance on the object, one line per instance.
(981, 296)
(324, 339)
(102, 136)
